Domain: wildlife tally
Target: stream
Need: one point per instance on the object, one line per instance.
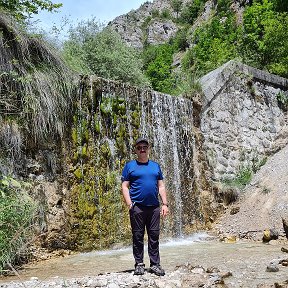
(246, 260)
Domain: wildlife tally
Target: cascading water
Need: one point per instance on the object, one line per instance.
(111, 117)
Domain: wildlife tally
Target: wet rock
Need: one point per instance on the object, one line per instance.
(212, 270)
(285, 226)
(284, 262)
(283, 249)
(270, 234)
(272, 268)
(229, 239)
(234, 210)
(281, 285)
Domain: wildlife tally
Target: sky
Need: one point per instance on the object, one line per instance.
(77, 10)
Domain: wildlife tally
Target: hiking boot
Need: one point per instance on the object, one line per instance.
(139, 269)
(157, 269)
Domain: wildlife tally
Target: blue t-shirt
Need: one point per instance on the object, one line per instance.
(143, 178)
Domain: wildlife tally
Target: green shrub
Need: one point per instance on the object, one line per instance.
(17, 210)
(282, 100)
(176, 6)
(190, 12)
(241, 179)
(223, 5)
(180, 40)
(157, 63)
(165, 14)
(155, 13)
(92, 49)
(264, 40)
(214, 45)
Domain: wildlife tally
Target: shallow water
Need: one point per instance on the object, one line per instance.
(247, 261)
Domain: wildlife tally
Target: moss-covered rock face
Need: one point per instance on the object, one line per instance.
(101, 141)
(108, 118)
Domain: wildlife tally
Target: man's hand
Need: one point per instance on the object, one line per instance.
(164, 210)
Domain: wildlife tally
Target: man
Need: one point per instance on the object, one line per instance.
(142, 182)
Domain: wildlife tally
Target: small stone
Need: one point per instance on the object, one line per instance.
(284, 262)
(272, 268)
(283, 249)
(234, 210)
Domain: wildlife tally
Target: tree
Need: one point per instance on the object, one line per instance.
(265, 39)
(213, 45)
(92, 49)
(21, 9)
(191, 11)
(157, 63)
(176, 6)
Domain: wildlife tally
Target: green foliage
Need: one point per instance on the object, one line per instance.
(21, 9)
(265, 39)
(91, 49)
(35, 86)
(17, 211)
(155, 13)
(180, 40)
(223, 6)
(157, 63)
(242, 178)
(261, 41)
(214, 45)
(176, 6)
(278, 5)
(282, 99)
(165, 14)
(190, 11)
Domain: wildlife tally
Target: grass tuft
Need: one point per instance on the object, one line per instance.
(17, 212)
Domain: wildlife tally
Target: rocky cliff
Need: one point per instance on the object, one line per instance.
(156, 22)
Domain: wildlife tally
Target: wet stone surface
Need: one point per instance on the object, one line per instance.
(187, 264)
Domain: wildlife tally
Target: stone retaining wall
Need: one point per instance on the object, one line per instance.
(242, 120)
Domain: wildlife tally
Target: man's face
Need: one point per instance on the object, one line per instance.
(142, 149)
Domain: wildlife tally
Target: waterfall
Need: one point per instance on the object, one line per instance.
(112, 116)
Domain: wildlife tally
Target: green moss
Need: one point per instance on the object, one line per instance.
(98, 213)
(135, 119)
(106, 106)
(105, 150)
(121, 100)
(74, 136)
(78, 173)
(97, 127)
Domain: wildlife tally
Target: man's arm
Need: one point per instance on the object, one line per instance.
(125, 192)
(162, 192)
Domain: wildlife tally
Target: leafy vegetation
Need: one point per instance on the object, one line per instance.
(264, 41)
(157, 64)
(214, 45)
(282, 100)
(92, 49)
(242, 178)
(35, 85)
(190, 11)
(17, 211)
(21, 9)
(176, 6)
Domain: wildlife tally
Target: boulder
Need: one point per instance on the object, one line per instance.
(285, 226)
(270, 234)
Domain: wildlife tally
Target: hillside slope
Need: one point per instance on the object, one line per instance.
(263, 203)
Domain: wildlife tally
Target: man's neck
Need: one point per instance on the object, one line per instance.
(142, 159)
